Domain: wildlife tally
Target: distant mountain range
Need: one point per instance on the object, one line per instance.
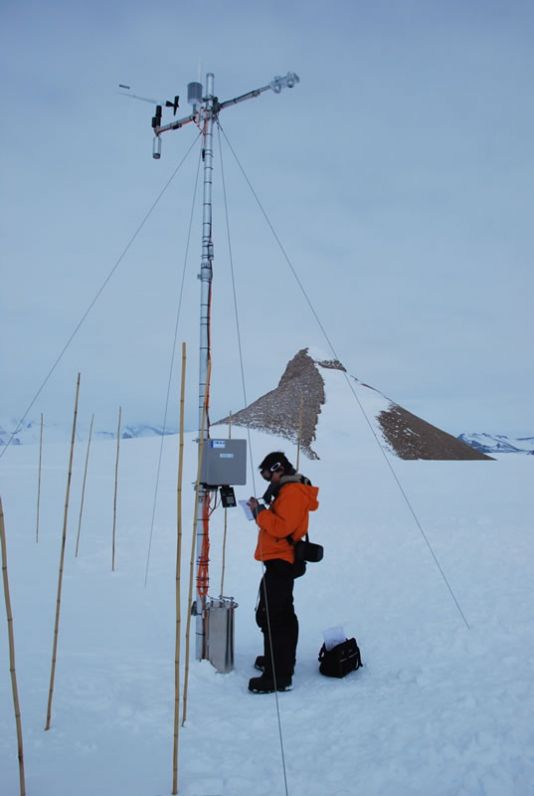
(498, 443)
(30, 432)
(489, 444)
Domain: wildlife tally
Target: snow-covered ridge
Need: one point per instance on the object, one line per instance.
(498, 443)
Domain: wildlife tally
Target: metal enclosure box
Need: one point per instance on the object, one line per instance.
(220, 633)
(224, 462)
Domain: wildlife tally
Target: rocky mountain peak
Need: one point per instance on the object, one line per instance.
(293, 408)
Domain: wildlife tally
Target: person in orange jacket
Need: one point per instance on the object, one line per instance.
(289, 497)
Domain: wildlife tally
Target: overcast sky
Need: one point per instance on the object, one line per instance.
(399, 175)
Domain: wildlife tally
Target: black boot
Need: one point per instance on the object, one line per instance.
(259, 663)
(266, 685)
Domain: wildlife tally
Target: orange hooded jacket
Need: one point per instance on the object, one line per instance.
(287, 516)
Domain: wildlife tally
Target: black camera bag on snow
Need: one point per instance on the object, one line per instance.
(341, 659)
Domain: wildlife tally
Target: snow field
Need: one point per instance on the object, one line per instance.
(438, 708)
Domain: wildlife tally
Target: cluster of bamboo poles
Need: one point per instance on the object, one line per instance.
(48, 721)
(3, 544)
(84, 482)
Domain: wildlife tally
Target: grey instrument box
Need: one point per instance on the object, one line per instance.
(224, 462)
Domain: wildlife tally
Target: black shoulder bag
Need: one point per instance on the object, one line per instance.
(304, 551)
(341, 659)
(307, 551)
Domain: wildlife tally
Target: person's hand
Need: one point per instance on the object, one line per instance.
(255, 506)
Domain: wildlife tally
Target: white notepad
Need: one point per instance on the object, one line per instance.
(246, 508)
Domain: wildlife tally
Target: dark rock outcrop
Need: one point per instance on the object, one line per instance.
(291, 410)
(414, 438)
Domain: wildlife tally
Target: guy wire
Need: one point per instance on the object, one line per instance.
(96, 297)
(171, 367)
(238, 329)
(350, 385)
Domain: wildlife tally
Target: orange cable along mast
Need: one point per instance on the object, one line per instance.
(203, 543)
(205, 111)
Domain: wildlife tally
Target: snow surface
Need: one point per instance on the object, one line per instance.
(438, 709)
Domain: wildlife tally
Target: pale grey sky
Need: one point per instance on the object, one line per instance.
(399, 175)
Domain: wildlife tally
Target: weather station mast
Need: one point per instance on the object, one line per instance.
(219, 469)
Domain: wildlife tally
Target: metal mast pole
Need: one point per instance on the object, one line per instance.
(205, 111)
(206, 276)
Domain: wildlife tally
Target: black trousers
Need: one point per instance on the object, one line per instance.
(275, 616)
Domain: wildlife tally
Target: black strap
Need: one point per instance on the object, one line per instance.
(292, 541)
(274, 490)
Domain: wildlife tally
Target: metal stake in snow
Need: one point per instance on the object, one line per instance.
(206, 109)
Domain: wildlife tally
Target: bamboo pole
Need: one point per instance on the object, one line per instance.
(192, 558)
(299, 438)
(39, 478)
(223, 566)
(177, 649)
(115, 493)
(61, 561)
(12, 669)
(83, 486)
